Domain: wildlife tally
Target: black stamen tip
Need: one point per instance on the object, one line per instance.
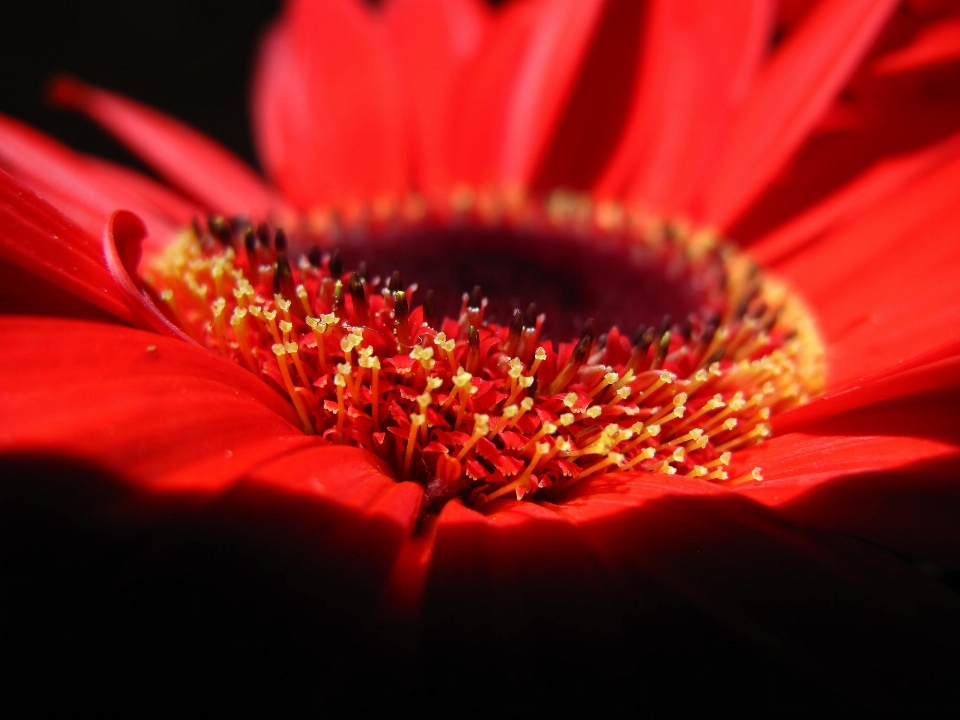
(400, 308)
(516, 325)
(430, 308)
(335, 265)
(476, 298)
(314, 256)
(356, 288)
(665, 324)
(280, 240)
(530, 316)
(220, 228)
(637, 337)
(715, 356)
(582, 350)
(395, 283)
(590, 329)
(264, 235)
(249, 241)
(283, 277)
(239, 224)
(662, 347)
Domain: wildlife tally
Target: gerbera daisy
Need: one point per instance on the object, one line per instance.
(591, 323)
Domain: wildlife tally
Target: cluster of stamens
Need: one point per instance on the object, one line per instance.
(479, 410)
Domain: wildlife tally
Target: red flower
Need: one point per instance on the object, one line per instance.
(187, 501)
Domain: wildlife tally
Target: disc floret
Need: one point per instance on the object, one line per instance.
(477, 410)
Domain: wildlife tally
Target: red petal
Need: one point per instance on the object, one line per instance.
(937, 370)
(878, 285)
(880, 182)
(35, 236)
(514, 92)
(190, 160)
(677, 573)
(155, 410)
(327, 107)
(791, 96)
(85, 189)
(433, 39)
(597, 107)
(937, 43)
(297, 549)
(701, 59)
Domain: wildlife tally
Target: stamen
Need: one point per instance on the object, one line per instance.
(406, 383)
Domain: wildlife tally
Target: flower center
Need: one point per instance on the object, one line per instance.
(594, 339)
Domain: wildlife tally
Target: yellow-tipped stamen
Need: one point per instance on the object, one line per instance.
(304, 300)
(755, 475)
(645, 454)
(509, 412)
(620, 396)
(523, 479)
(538, 357)
(760, 431)
(340, 382)
(481, 426)
(446, 346)
(547, 428)
(525, 406)
(722, 460)
(714, 403)
(609, 379)
(237, 322)
(694, 435)
(415, 422)
(280, 351)
(611, 459)
(666, 377)
(269, 318)
(219, 321)
(293, 350)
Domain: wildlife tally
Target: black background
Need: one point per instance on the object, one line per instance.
(192, 60)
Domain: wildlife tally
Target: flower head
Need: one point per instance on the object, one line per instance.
(480, 360)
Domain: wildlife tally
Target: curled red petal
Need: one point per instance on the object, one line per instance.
(121, 248)
(790, 97)
(193, 162)
(37, 237)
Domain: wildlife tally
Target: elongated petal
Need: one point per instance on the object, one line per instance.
(881, 182)
(700, 61)
(36, 237)
(148, 407)
(938, 42)
(433, 39)
(293, 550)
(873, 311)
(87, 190)
(642, 559)
(195, 163)
(596, 111)
(791, 96)
(515, 90)
(328, 114)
